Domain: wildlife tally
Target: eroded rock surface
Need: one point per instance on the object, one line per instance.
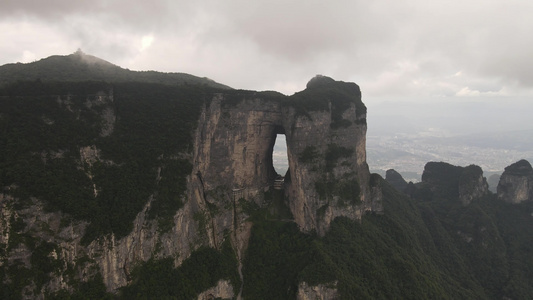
(396, 180)
(446, 181)
(223, 290)
(516, 183)
(232, 171)
(318, 292)
(325, 129)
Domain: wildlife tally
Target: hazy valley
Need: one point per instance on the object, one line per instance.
(492, 135)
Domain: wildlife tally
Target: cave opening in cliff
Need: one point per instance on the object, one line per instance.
(280, 159)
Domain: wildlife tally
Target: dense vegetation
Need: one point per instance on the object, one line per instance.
(18, 279)
(43, 126)
(158, 279)
(416, 250)
(430, 248)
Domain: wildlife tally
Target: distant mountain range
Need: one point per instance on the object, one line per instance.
(83, 67)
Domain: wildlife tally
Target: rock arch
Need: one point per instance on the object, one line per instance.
(325, 130)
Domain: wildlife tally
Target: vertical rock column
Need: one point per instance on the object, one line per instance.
(326, 140)
(233, 157)
(516, 183)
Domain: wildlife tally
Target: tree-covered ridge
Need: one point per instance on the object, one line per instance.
(83, 67)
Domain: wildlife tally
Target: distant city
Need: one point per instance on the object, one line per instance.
(408, 155)
(406, 135)
(492, 135)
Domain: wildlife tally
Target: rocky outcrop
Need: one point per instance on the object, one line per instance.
(113, 258)
(318, 292)
(108, 117)
(44, 229)
(516, 183)
(326, 149)
(223, 290)
(325, 129)
(472, 184)
(446, 181)
(6, 216)
(396, 180)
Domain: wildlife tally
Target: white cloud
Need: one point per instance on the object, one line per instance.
(146, 42)
(26, 40)
(28, 56)
(467, 92)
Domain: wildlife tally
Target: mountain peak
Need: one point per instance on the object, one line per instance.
(521, 167)
(516, 183)
(319, 81)
(80, 66)
(90, 59)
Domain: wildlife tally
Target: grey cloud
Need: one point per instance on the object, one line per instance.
(50, 10)
(393, 47)
(297, 30)
(135, 14)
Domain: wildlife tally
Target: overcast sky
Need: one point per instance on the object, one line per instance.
(416, 48)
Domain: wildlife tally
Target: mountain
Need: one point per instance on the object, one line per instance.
(516, 182)
(84, 67)
(146, 190)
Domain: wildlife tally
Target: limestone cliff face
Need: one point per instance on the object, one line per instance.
(472, 184)
(329, 176)
(116, 257)
(318, 292)
(42, 227)
(113, 258)
(453, 182)
(223, 290)
(232, 164)
(325, 129)
(24, 228)
(516, 183)
(231, 158)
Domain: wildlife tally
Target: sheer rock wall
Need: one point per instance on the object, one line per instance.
(516, 183)
(325, 128)
(328, 175)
